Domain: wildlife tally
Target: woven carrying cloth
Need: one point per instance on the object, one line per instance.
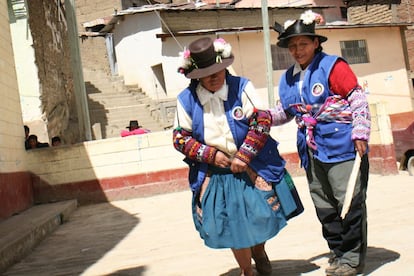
(335, 109)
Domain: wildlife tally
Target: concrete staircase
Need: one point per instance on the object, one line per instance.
(112, 105)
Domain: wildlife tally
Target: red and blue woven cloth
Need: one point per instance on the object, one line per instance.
(335, 109)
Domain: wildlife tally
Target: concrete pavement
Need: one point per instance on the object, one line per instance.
(156, 236)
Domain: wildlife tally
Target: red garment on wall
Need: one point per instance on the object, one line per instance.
(134, 132)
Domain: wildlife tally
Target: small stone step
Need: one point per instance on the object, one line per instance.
(19, 234)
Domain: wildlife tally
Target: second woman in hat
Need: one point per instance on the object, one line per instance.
(322, 93)
(238, 179)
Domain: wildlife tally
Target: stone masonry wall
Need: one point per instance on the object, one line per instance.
(93, 49)
(48, 26)
(94, 55)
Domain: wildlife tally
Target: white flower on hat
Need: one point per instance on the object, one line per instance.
(288, 23)
(222, 47)
(185, 61)
(308, 17)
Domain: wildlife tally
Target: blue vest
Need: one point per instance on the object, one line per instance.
(333, 140)
(268, 163)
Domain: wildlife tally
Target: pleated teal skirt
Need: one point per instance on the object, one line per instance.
(233, 213)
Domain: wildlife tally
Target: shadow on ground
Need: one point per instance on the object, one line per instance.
(376, 257)
(89, 234)
(136, 271)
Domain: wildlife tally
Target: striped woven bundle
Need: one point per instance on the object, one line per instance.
(335, 109)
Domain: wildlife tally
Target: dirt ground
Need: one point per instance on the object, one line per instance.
(156, 236)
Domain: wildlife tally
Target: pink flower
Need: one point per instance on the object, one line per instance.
(220, 40)
(319, 19)
(186, 53)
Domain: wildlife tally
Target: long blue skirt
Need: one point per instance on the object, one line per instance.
(233, 213)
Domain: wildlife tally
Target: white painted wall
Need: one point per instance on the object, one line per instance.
(27, 78)
(386, 73)
(26, 69)
(12, 152)
(137, 50)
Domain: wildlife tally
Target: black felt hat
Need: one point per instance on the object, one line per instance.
(133, 123)
(296, 29)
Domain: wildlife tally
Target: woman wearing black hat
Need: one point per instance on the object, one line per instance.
(322, 93)
(235, 167)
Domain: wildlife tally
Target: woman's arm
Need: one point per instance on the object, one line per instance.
(191, 148)
(344, 82)
(279, 115)
(259, 129)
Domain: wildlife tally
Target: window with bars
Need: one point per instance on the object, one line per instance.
(281, 58)
(354, 51)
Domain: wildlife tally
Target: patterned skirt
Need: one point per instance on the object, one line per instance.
(233, 212)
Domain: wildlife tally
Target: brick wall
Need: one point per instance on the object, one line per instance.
(381, 11)
(359, 12)
(405, 12)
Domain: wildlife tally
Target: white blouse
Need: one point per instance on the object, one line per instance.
(217, 132)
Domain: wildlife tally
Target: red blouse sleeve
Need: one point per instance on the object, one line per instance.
(342, 79)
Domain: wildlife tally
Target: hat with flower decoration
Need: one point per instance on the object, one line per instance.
(303, 26)
(205, 57)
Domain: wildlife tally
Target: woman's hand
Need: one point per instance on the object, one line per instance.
(361, 147)
(221, 160)
(238, 166)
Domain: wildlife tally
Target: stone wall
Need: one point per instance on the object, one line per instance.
(48, 26)
(92, 48)
(88, 10)
(94, 55)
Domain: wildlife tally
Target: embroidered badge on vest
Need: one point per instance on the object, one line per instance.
(317, 89)
(237, 113)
